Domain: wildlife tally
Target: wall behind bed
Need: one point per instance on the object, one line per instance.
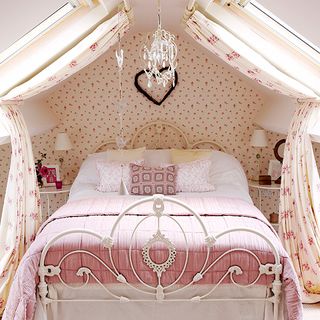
(211, 101)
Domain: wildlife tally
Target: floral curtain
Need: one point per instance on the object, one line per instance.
(21, 210)
(241, 57)
(300, 203)
(82, 54)
(300, 189)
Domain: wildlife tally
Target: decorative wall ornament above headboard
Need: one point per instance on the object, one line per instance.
(151, 95)
(161, 134)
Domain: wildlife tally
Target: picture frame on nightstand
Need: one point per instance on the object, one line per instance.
(52, 176)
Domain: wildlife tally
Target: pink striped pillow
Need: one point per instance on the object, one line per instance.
(149, 180)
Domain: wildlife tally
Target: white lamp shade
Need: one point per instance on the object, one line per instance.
(63, 142)
(259, 138)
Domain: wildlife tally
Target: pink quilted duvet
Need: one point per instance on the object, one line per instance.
(99, 215)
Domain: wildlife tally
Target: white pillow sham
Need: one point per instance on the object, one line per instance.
(155, 158)
(110, 175)
(194, 176)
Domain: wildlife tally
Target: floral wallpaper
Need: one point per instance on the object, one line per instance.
(211, 101)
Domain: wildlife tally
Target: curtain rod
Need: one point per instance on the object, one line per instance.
(191, 4)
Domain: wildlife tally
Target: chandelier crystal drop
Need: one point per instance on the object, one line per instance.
(160, 61)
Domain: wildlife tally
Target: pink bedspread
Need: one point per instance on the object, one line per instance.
(99, 215)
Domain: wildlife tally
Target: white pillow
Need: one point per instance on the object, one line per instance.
(194, 176)
(88, 171)
(227, 170)
(156, 158)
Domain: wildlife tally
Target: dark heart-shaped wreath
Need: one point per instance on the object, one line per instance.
(147, 95)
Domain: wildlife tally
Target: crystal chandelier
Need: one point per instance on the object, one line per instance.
(160, 60)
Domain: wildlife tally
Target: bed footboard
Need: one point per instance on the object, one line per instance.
(161, 292)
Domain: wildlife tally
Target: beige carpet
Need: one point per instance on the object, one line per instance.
(311, 311)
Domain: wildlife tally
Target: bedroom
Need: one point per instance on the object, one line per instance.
(210, 101)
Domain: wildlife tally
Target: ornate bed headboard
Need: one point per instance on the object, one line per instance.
(161, 134)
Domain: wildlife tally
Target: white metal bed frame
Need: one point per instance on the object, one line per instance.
(160, 293)
(158, 129)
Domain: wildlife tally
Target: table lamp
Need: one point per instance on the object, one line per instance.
(63, 143)
(258, 140)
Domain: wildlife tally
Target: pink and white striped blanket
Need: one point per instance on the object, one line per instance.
(99, 215)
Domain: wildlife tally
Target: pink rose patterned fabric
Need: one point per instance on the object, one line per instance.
(21, 216)
(194, 176)
(152, 180)
(300, 203)
(243, 58)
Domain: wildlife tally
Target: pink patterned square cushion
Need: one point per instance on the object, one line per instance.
(149, 180)
(194, 176)
(110, 175)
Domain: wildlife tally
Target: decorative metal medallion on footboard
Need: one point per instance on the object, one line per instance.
(161, 291)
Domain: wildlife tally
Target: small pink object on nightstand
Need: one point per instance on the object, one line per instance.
(59, 184)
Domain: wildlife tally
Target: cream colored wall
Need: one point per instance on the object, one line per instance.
(210, 101)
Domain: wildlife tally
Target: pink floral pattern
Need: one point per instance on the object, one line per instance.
(241, 57)
(233, 55)
(300, 203)
(94, 46)
(21, 211)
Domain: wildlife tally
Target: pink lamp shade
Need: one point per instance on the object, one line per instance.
(259, 138)
(63, 142)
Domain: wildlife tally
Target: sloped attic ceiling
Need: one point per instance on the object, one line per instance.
(302, 16)
(172, 12)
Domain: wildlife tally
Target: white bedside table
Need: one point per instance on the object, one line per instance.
(274, 187)
(48, 191)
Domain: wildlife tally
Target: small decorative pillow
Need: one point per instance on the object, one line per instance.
(110, 175)
(149, 180)
(194, 176)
